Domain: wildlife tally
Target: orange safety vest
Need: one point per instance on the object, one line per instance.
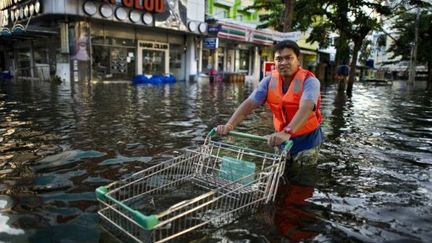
(284, 107)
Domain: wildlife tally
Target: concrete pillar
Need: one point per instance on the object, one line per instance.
(230, 60)
(32, 62)
(191, 58)
(198, 42)
(256, 64)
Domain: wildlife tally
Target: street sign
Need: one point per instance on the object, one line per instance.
(211, 42)
(214, 28)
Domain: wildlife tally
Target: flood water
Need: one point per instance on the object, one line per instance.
(58, 143)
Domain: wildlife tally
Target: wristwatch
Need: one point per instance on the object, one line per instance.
(288, 130)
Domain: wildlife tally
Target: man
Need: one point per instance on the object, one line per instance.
(293, 95)
(342, 73)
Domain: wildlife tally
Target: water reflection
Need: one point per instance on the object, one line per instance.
(58, 143)
(293, 216)
(5, 206)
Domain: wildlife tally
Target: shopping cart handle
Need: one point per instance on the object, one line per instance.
(287, 144)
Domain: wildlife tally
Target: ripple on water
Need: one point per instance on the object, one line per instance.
(374, 181)
(122, 159)
(5, 226)
(65, 158)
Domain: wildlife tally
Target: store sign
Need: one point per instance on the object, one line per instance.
(268, 67)
(6, 4)
(4, 18)
(157, 6)
(153, 45)
(18, 10)
(279, 36)
(214, 28)
(211, 43)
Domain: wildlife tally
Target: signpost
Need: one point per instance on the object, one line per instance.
(211, 43)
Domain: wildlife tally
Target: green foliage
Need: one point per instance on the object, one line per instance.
(343, 50)
(353, 19)
(320, 34)
(274, 17)
(404, 27)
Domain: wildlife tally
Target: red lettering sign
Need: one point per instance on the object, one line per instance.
(149, 5)
(157, 6)
(160, 6)
(128, 3)
(138, 5)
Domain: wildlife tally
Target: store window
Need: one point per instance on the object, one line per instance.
(243, 61)
(221, 59)
(153, 58)
(205, 60)
(40, 55)
(113, 58)
(176, 61)
(24, 63)
(153, 62)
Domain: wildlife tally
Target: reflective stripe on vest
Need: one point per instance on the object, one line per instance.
(284, 107)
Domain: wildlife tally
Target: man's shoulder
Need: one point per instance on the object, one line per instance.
(263, 84)
(312, 79)
(266, 79)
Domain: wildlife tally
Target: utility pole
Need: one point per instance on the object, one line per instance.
(413, 60)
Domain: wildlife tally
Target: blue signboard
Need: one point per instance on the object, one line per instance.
(214, 28)
(211, 42)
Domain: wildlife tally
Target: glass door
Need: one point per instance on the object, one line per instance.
(24, 63)
(153, 62)
(153, 58)
(177, 61)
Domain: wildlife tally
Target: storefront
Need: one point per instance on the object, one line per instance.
(239, 49)
(29, 51)
(108, 40)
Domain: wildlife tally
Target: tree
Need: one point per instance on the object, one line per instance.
(352, 20)
(404, 28)
(278, 14)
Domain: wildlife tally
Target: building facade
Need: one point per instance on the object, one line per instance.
(235, 45)
(239, 44)
(84, 40)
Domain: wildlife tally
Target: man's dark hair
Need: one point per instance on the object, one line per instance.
(279, 46)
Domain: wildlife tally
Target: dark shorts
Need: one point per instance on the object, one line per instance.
(305, 157)
(343, 70)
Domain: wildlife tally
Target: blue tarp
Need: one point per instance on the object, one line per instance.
(153, 79)
(5, 75)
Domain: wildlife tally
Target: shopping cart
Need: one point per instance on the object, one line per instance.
(205, 187)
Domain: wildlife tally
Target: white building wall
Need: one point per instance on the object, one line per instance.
(196, 10)
(192, 57)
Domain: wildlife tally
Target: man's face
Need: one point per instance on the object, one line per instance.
(287, 63)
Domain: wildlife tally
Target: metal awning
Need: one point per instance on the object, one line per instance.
(32, 32)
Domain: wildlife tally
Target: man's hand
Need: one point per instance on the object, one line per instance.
(224, 129)
(277, 138)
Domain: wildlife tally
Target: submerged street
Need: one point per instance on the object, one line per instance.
(58, 143)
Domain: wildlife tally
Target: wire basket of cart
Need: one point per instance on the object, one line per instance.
(205, 187)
